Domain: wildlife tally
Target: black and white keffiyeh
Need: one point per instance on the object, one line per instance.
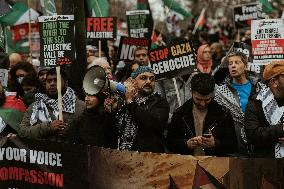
(42, 101)
(127, 125)
(273, 113)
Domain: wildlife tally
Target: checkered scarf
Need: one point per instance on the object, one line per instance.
(127, 125)
(273, 113)
(42, 101)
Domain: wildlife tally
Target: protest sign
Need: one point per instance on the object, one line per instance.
(57, 40)
(30, 164)
(178, 58)
(267, 37)
(128, 45)
(140, 23)
(101, 28)
(243, 14)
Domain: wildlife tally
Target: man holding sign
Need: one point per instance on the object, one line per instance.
(41, 119)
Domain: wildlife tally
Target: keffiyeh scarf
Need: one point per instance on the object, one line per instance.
(42, 102)
(273, 113)
(127, 126)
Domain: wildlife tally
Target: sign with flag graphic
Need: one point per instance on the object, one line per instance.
(57, 40)
(138, 22)
(267, 38)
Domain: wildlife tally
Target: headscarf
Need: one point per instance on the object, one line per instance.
(202, 65)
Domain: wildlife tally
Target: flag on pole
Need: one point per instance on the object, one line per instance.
(175, 6)
(266, 6)
(48, 7)
(98, 8)
(203, 179)
(200, 22)
(18, 15)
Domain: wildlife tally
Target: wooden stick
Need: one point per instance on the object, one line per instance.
(100, 49)
(59, 92)
(177, 92)
(30, 33)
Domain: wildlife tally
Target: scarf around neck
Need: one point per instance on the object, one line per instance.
(42, 102)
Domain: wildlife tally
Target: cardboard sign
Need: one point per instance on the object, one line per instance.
(139, 23)
(101, 28)
(57, 40)
(267, 37)
(128, 45)
(176, 59)
(244, 14)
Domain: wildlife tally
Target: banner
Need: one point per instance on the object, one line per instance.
(267, 37)
(244, 14)
(39, 165)
(57, 40)
(31, 164)
(128, 45)
(140, 24)
(178, 58)
(101, 27)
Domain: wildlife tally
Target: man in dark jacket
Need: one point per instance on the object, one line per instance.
(265, 112)
(201, 126)
(143, 114)
(95, 126)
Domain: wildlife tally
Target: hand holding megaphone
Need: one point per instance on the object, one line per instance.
(131, 90)
(110, 104)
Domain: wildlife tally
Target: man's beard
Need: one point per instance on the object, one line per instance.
(146, 91)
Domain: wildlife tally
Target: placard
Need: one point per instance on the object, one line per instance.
(101, 27)
(57, 40)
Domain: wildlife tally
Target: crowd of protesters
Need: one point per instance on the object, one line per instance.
(221, 111)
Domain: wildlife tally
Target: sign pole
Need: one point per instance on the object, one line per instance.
(177, 92)
(59, 94)
(100, 49)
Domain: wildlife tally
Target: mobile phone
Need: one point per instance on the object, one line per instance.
(206, 135)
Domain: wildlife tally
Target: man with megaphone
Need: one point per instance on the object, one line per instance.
(142, 115)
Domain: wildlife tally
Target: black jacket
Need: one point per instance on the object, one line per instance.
(95, 128)
(182, 128)
(259, 132)
(151, 119)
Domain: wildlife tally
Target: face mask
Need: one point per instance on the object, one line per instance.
(20, 79)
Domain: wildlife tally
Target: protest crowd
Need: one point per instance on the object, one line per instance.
(196, 91)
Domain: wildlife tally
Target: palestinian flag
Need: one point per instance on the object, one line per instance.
(204, 180)
(48, 7)
(200, 22)
(98, 8)
(266, 6)
(175, 6)
(18, 15)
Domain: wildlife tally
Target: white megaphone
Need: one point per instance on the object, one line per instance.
(96, 81)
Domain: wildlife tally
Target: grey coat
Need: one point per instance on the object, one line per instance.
(42, 130)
